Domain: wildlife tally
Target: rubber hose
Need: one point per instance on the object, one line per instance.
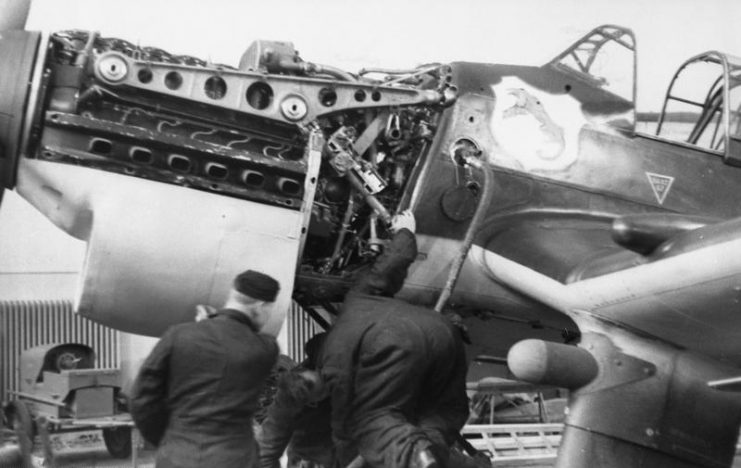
(478, 216)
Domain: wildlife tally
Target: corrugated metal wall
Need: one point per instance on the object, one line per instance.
(24, 324)
(301, 327)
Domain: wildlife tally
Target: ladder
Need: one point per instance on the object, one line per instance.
(516, 444)
(521, 444)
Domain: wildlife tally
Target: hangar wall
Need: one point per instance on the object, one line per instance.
(28, 323)
(297, 330)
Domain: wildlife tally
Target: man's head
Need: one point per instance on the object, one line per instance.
(303, 385)
(314, 349)
(253, 293)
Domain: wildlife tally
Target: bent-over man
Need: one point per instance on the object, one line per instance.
(196, 393)
(298, 420)
(396, 372)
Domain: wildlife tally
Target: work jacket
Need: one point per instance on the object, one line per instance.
(197, 391)
(396, 372)
(301, 427)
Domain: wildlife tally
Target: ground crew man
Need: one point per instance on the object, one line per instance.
(298, 420)
(196, 393)
(395, 372)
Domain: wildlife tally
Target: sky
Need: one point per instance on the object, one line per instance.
(385, 33)
(352, 34)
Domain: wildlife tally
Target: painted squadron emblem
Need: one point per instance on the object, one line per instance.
(660, 184)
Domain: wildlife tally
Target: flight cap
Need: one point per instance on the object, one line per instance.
(257, 285)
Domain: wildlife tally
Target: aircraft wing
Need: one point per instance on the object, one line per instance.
(687, 293)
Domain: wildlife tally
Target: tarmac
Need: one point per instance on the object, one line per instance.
(80, 449)
(86, 451)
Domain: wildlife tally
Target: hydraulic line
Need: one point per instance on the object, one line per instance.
(84, 55)
(335, 72)
(308, 67)
(349, 212)
(478, 216)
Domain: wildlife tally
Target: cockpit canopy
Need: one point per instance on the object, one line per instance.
(605, 59)
(703, 105)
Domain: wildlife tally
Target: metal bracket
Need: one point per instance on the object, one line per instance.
(616, 368)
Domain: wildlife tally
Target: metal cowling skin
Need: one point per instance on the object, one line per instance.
(155, 251)
(649, 407)
(18, 50)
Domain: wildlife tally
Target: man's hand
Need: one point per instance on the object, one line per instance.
(424, 458)
(204, 311)
(404, 220)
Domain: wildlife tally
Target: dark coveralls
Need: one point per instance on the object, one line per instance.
(396, 372)
(197, 391)
(302, 427)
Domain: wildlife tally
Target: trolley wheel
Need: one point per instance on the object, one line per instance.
(19, 418)
(118, 441)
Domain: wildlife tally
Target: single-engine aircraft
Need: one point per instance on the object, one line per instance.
(540, 194)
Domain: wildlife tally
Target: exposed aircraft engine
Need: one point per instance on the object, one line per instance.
(242, 132)
(335, 149)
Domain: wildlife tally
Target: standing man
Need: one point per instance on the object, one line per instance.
(197, 391)
(396, 372)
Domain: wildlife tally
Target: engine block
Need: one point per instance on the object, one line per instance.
(246, 132)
